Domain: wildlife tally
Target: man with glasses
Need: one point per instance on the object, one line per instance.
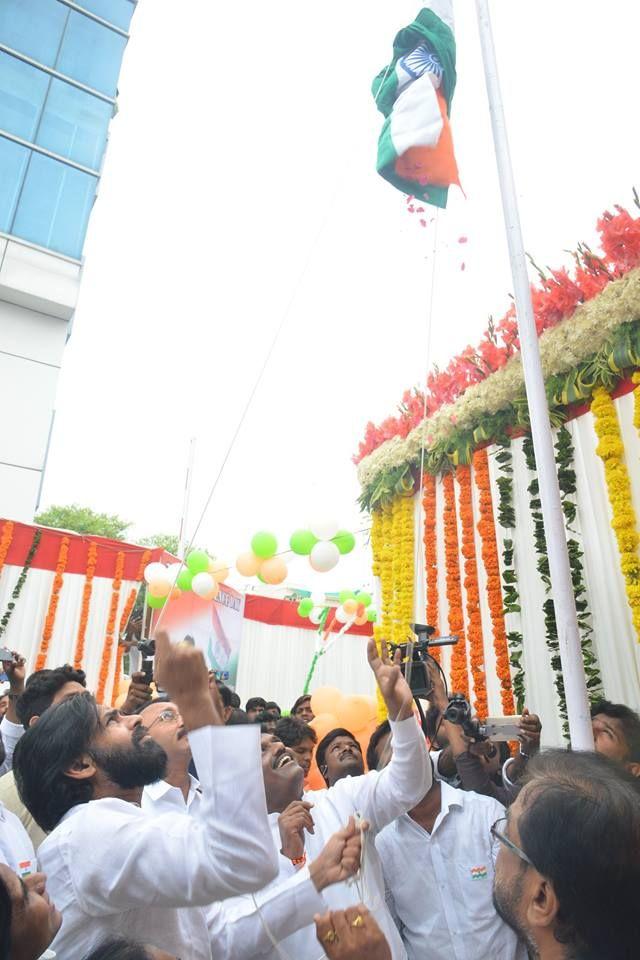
(179, 791)
(567, 877)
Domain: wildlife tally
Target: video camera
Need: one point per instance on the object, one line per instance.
(148, 650)
(459, 712)
(416, 670)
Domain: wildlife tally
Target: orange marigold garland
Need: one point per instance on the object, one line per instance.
(124, 620)
(92, 557)
(111, 628)
(431, 555)
(5, 541)
(54, 599)
(474, 617)
(459, 674)
(487, 531)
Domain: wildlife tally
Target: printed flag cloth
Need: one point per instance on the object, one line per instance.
(414, 93)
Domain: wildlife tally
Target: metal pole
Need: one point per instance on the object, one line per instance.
(562, 590)
(184, 519)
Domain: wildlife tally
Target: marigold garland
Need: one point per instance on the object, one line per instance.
(487, 531)
(54, 599)
(92, 557)
(124, 620)
(459, 671)
(402, 565)
(111, 628)
(431, 556)
(472, 590)
(610, 449)
(5, 541)
(382, 555)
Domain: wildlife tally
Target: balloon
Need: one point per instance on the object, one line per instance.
(155, 602)
(302, 542)
(202, 584)
(324, 722)
(324, 556)
(159, 588)
(305, 607)
(364, 599)
(344, 541)
(185, 579)
(218, 570)
(155, 571)
(325, 700)
(360, 611)
(316, 615)
(361, 619)
(355, 712)
(350, 607)
(341, 616)
(248, 564)
(175, 593)
(346, 595)
(264, 545)
(372, 615)
(198, 562)
(274, 570)
(324, 529)
(314, 780)
(260, 577)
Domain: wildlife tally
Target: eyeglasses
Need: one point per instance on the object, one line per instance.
(165, 716)
(496, 832)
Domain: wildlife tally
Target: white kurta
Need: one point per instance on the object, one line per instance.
(16, 849)
(114, 870)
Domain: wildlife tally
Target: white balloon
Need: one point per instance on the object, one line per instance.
(315, 615)
(155, 571)
(341, 616)
(324, 529)
(318, 599)
(202, 584)
(324, 556)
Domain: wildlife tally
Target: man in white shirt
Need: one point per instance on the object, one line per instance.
(438, 863)
(111, 868)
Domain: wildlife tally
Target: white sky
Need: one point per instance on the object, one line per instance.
(244, 130)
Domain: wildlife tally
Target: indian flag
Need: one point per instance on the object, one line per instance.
(414, 93)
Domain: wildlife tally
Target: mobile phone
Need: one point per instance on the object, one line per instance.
(502, 728)
(6, 655)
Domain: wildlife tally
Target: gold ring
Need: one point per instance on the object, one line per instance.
(358, 922)
(330, 937)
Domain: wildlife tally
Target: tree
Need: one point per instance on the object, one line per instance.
(168, 542)
(84, 520)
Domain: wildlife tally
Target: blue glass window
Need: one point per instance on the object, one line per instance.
(91, 54)
(115, 11)
(13, 161)
(22, 93)
(74, 124)
(54, 206)
(34, 27)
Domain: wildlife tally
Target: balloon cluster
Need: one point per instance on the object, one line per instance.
(199, 573)
(323, 543)
(261, 561)
(353, 608)
(333, 709)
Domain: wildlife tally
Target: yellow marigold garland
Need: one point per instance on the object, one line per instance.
(610, 449)
(111, 628)
(381, 548)
(54, 599)
(431, 556)
(459, 674)
(5, 541)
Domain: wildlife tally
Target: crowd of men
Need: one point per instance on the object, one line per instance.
(180, 826)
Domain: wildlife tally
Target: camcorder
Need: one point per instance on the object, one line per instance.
(416, 655)
(148, 650)
(494, 728)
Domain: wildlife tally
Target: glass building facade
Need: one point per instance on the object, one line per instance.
(59, 67)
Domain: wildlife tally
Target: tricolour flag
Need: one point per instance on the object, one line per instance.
(414, 93)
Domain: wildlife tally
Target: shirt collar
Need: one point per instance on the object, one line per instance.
(155, 791)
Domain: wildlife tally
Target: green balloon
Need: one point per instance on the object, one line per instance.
(264, 545)
(197, 562)
(302, 542)
(155, 602)
(344, 541)
(345, 595)
(305, 607)
(184, 579)
(372, 615)
(364, 598)
(261, 578)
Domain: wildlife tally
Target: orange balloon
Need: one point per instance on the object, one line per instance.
(323, 722)
(350, 607)
(213, 593)
(355, 713)
(175, 593)
(361, 620)
(274, 570)
(315, 780)
(325, 700)
(159, 588)
(363, 737)
(218, 570)
(361, 609)
(248, 564)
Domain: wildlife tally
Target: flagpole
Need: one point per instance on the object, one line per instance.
(184, 519)
(575, 685)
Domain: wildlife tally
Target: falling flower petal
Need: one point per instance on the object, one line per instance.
(463, 239)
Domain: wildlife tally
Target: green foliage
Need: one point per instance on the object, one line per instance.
(168, 542)
(84, 520)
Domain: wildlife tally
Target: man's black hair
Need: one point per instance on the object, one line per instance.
(148, 703)
(328, 739)
(237, 717)
(119, 949)
(580, 827)
(41, 688)
(272, 705)
(236, 702)
(265, 718)
(292, 731)
(380, 731)
(255, 703)
(46, 751)
(629, 721)
(6, 913)
(299, 702)
(225, 693)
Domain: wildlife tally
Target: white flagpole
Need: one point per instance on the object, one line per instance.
(184, 519)
(565, 608)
